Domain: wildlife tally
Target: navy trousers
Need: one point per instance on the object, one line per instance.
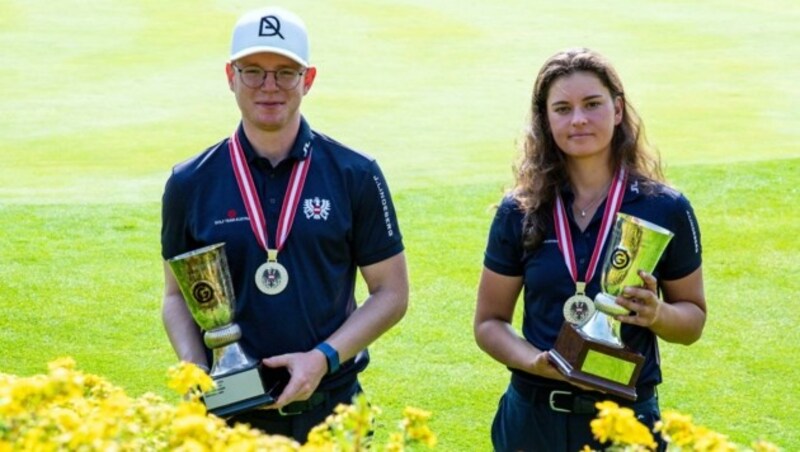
(522, 424)
(298, 425)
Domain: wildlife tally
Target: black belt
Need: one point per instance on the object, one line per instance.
(299, 406)
(573, 401)
(316, 400)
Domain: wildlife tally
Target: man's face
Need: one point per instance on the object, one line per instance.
(269, 107)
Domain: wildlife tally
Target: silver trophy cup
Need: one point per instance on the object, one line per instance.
(205, 282)
(592, 354)
(635, 245)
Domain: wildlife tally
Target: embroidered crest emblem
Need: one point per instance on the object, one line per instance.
(316, 208)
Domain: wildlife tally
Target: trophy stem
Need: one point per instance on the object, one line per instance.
(604, 329)
(222, 336)
(228, 354)
(229, 359)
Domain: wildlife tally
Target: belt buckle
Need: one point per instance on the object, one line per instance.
(553, 402)
(287, 413)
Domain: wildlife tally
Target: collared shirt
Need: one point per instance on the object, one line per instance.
(345, 220)
(548, 284)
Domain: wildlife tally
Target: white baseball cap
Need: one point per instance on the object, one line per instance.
(273, 30)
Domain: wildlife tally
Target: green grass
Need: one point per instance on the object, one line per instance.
(97, 102)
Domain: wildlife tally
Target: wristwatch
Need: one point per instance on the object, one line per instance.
(331, 355)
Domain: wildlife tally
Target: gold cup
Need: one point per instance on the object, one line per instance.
(205, 282)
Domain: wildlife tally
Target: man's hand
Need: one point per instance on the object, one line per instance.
(306, 370)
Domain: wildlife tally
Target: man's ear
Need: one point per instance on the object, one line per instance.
(308, 79)
(230, 73)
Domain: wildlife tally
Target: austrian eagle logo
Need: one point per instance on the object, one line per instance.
(317, 209)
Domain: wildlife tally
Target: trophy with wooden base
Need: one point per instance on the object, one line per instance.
(205, 282)
(590, 352)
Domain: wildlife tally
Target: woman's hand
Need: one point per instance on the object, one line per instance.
(642, 302)
(542, 367)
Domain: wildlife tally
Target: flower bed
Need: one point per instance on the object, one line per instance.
(71, 410)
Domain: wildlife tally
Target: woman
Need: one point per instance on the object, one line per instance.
(583, 137)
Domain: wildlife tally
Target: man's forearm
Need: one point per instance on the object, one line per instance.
(183, 332)
(373, 318)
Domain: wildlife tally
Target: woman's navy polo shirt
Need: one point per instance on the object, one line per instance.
(548, 284)
(345, 219)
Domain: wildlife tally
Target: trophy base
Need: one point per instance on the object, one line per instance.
(242, 391)
(596, 365)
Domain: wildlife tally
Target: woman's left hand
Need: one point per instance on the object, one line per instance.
(642, 301)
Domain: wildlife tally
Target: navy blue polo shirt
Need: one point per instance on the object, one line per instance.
(548, 284)
(345, 219)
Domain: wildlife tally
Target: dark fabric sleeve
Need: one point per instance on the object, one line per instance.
(376, 233)
(504, 247)
(684, 252)
(174, 227)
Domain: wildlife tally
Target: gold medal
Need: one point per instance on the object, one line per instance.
(578, 308)
(271, 278)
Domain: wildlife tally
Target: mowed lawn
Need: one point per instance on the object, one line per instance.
(98, 101)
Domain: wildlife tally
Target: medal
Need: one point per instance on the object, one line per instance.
(271, 277)
(579, 308)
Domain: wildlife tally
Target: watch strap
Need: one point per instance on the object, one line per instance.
(331, 355)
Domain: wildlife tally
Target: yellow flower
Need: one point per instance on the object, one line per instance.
(764, 446)
(69, 410)
(619, 425)
(706, 440)
(187, 378)
(189, 428)
(191, 445)
(396, 443)
(415, 426)
(416, 414)
(65, 362)
(320, 434)
(676, 428)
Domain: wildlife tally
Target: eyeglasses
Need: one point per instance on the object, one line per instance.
(254, 77)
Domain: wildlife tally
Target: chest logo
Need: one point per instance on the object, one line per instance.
(317, 209)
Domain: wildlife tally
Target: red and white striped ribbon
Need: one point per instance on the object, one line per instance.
(613, 203)
(252, 202)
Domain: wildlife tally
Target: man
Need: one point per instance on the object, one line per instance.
(299, 213)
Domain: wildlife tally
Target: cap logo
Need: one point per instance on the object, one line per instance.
(270, 26)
